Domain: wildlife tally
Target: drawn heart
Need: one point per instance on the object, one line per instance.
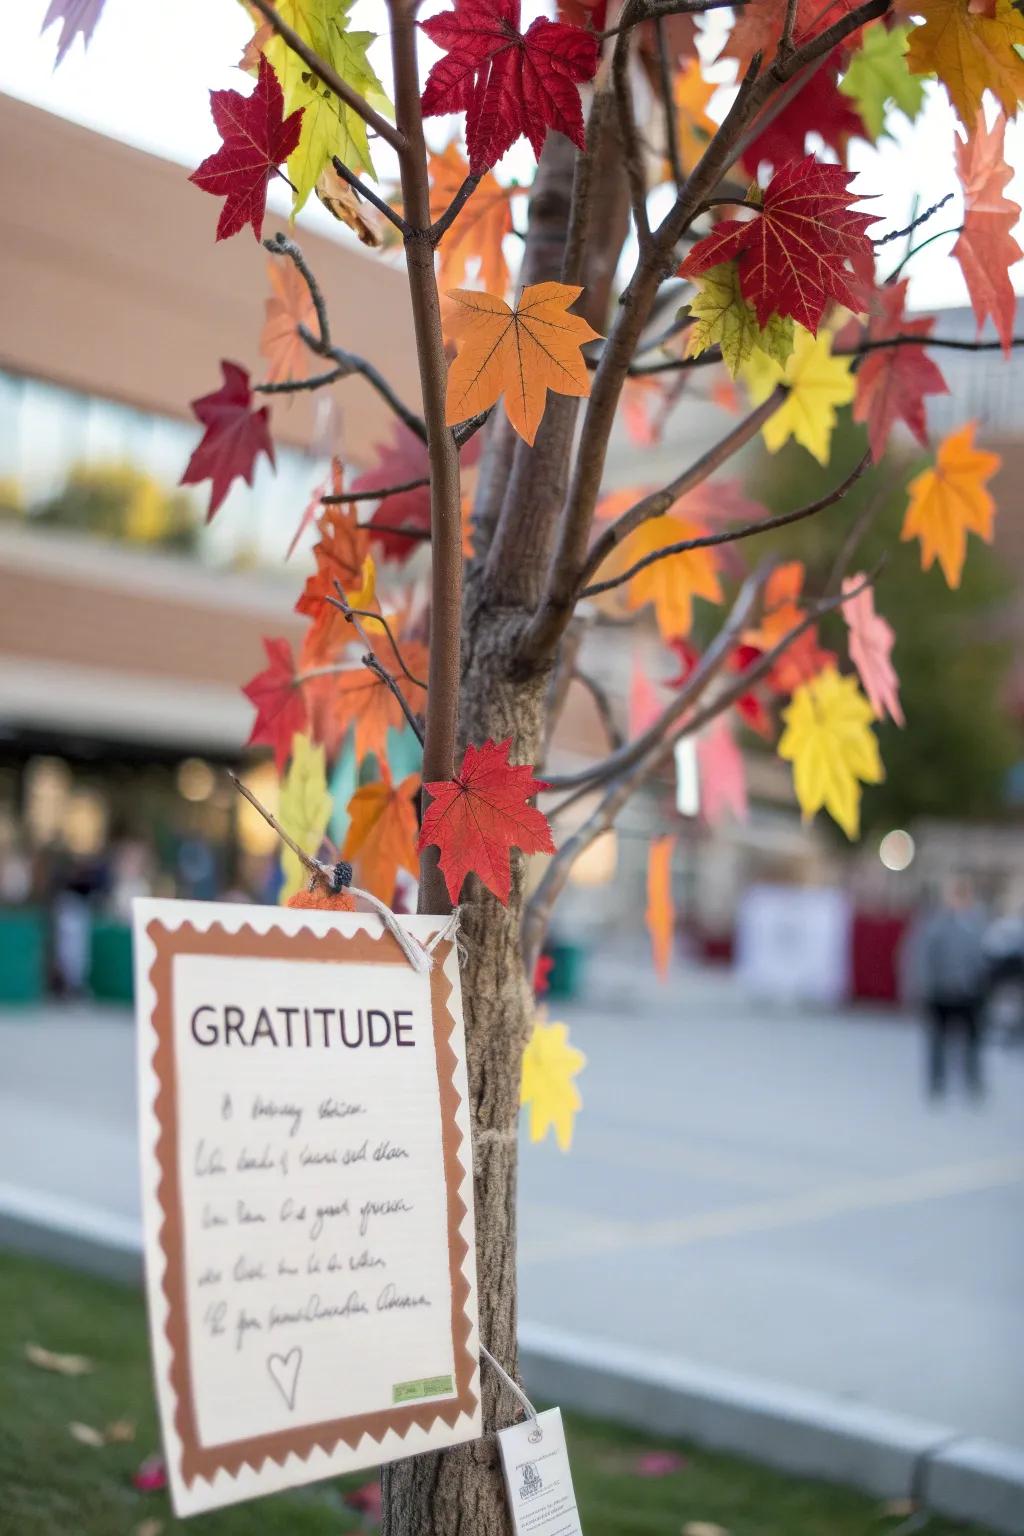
(285, 1371)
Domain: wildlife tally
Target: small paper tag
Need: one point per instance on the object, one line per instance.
(537, 1477)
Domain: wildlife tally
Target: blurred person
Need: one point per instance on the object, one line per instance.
(1004, 950)
(952, 973)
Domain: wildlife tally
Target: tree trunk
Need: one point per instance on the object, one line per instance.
(460, 1492)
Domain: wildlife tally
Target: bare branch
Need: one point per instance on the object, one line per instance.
(342, 498)
(733, 535)
(280, 245)
(380, 203)
(915, 223)
(669, 103)
(455, 207)
(354, 615)
(603, 705)
(330, 77)
(658, 502)
(654, 10)
(316, 869)
(632, 150)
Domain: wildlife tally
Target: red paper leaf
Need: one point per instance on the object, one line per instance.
(986, 248)
(475, 818)
(723, 777)
(792, 255)
(510, 84)
(257, 138)
(235, 436)
(403, 459)
(818, 107)
(748, 706)
(892, 383)
(280, 707)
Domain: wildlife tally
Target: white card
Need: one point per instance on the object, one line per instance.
(307, 1195)
(537, 1477)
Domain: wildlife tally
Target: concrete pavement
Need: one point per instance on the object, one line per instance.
(750, 1190)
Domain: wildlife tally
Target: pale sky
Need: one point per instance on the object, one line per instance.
(147, 75)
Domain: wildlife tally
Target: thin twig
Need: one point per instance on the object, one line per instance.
(280, 245)
(380, 203)
(354, 615)
(330, 77)
(351, 363)
(733, 535)
(455, 207)
(660, 8)
(371, 663)
(296, 386)
(669, 103)
(314, 866)
(603, 705)
(381, 494)
(912, 250)
(915, 223)
(632, 152)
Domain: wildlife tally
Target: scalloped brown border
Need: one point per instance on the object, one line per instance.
(204, 1461)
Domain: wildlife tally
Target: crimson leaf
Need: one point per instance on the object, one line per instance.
(235, 436)
(257, 137)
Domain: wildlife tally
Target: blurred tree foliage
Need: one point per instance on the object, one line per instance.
(114, 501)
(952, 652)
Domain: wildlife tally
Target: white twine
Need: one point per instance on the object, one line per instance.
(512, 1385)
(419, 956)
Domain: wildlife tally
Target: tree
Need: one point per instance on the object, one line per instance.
(792, 290)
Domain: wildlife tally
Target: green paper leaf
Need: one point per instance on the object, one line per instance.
(724, 317)
(878, 78)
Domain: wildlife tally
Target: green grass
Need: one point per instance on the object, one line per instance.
(52, 1486)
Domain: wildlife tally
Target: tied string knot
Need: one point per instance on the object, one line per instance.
(337, 877)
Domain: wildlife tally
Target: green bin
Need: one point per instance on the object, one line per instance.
(110, 962)
(566, 977)
(22, 955)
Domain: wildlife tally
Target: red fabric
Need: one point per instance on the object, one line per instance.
(874, 964)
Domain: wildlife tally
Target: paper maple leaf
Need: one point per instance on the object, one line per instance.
(289, 306)
(257, 137)
(829, 741)
(949, 501)
(792, 254)
(672, 583)
(340, 555)
(381, 837)
(546, 1088)
(986, 248)
(970, 51)
(478, 232)
(723, 317)
(818, 107)
(520, 353)
(818, 384)
(758, 26)
(329, 127)
(303, 809)
(877, 78)
(362, 700)
(77, 18)
(280, 707)
(892, 383)
(660, 915)
(871, 642)
(510, 84)
(475, 818)
(803, 657)
(723, 778)
(235, 436)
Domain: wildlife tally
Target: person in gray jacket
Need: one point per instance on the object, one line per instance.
(953, 969)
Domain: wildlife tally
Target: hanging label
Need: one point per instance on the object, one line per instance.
(307, 1195)
(535, 1461)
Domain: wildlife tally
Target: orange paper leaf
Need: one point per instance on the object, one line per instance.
(382, 833)
(950, 501)
(288, 307)
(660, 909)
(520, 353)
(480, 228)
(986, 248)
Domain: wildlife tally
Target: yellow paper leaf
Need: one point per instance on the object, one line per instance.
(670, 584)
(829, 740)
(520, 353)
(723, 316)
(660, 907)
(818, 384)
(328, 126)
(950, 501)
(970, 51)
(382, 834)
(549, 1065)
(304, 808)
(480, 228)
